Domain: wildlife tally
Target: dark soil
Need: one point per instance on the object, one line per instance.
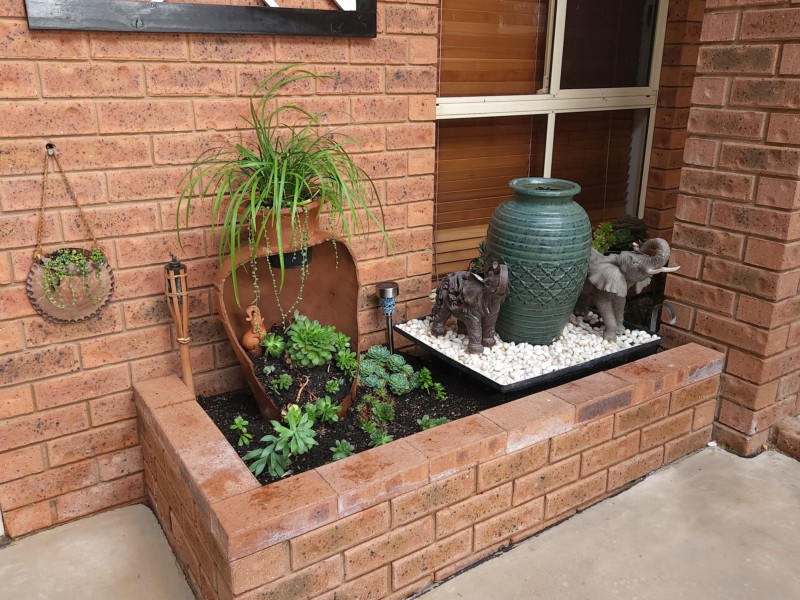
(464, 397)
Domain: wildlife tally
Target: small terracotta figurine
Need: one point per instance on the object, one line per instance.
(251, 340)
(475, 301)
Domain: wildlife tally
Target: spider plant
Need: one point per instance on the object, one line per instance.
(292, 162)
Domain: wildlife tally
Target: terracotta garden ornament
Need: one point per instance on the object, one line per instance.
(473, 300)
(610, 277)
(251, 340)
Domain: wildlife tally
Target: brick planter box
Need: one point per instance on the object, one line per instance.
(390, 521)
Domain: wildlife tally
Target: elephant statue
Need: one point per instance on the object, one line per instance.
(609, 278)
(475, 301)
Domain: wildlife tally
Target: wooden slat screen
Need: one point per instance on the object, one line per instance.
(492, 48)
(594, 150)
(476, 160)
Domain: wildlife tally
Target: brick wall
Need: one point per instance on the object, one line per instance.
(737, 234)
(681, 43)
(128, 113)
(392, 520)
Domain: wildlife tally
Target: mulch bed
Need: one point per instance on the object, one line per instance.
(464, 397)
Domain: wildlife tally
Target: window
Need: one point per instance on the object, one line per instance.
(552, 88)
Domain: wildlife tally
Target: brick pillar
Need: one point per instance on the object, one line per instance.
(737, 230)
(681, 44)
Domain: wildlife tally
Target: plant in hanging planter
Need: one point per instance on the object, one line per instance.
(294, 162)
(67, 272)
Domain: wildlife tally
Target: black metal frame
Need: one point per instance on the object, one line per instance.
(124, 15)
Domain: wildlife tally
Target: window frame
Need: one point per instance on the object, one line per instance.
(557, 101)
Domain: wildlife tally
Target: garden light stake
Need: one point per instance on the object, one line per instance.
(387, 292)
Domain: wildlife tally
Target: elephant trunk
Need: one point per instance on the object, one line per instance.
(659, 258)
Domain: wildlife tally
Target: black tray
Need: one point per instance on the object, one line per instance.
(546, 380)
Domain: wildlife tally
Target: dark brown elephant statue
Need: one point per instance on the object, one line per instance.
(473, 300)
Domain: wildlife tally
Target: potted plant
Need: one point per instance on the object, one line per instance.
(276, 186)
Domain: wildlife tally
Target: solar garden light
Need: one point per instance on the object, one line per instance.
(387, 292)
(177, 291)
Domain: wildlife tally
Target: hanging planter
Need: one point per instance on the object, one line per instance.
(68, 285)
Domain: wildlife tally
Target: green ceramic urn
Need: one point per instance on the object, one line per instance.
(544, 237)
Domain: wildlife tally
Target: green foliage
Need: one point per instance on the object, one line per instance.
(379, 354)
(395, 363)
(379, 437)
(333, 385)
(341, 341)
(603, 237)
(627, 230)
(374, 382)
(323, 410)
(383, 412)
(342, 449)
(280, 384)
(273, 344)
(297, 436)
(293, 159)
(478, 265)
(426, 422)
(240, 425)
(275, 461)
(70, 266)
(368, 367)
(268, 369)
(425, 379)
(310, 344)
(439, 392)
(398, 384)
(347, 361)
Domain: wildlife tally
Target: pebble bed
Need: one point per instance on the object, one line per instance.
(509, 362)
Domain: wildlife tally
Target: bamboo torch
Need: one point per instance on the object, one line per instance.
(177, 290)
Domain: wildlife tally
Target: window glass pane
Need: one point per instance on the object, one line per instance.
(603, 152)
(608, 43)
(476, 158)
(492, 48)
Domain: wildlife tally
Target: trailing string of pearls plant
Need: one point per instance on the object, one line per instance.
(509, 362)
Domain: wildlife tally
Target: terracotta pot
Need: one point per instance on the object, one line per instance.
(330, 295)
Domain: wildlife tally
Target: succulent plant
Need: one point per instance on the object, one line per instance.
(373, 381)
(398, 384)
(379, 354)
(273, 344)
(347, 361)
(310, 344)
(368, 367)
(395, 363)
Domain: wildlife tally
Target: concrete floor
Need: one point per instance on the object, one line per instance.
(711, 527)
(118, 555)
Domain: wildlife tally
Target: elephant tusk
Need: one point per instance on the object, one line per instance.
(662, 270)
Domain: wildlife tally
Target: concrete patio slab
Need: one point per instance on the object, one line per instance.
(119, 555)
(712, 526)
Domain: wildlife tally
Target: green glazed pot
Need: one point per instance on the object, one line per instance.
(544, 237)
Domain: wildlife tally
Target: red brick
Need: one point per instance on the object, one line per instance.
(686, 444)
(137, 45)
(381, 50)
(609, 453)
(434, 557)
(596, 395)
(21, 463)
(139, 116)
(18, 41)
(369, 587)
(472, 510)
(74, 388)
(39, 332)
(15, 401)
(350, 80)
(753, 280)
(762, 159)
(790, 61)
(28, 519)
(704, 414)
(634, 468)
(736, 333)
(701, 152)
(390, 546)
(36, 364)
(24, 193)
(412, 19)
(754, 397)
(120, 463)
(766, 93)
(710, 91)
(91, 80)
(739, 59)
(93, 442)
(412, 80)
(337, 537)
(668, 429)
(532, 419)
(740, 443)
(546, 480)
(410, 189)
(770, 24)
(230, 48)
(514, 464)
(423, 51)
(190, 80)
(259, 568)
(430, 498)
(500, 528)
(719, 27)
(639, 416)
(700, 294)
(725, 185)
(726, 123)
(459, 445)
(32, 119)
(104, 153)
(48, 484)
(264, 517)
(751, 422)
(694, 394)
(18, 80)
(311, 49)
(579, 439)
(99, 497)
(576, 494)
(422, 108)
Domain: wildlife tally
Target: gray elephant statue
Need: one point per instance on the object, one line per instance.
(475, 301)
(610, 277)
